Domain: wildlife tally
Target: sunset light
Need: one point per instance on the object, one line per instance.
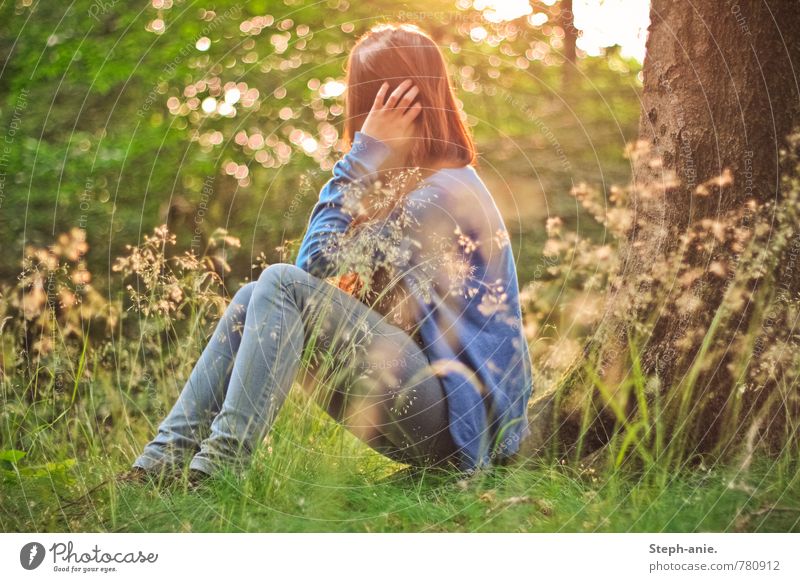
(610, 22)
(602, 23)
(502, 10)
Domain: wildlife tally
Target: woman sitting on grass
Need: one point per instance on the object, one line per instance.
(418, 348)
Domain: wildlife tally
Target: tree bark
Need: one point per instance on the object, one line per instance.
(567, 22)
(721, 94)
(721, 82)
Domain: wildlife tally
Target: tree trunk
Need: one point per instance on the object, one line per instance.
(567, 22)
(720, 95)
(704, 263)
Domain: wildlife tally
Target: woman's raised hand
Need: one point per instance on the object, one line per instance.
(392, 121)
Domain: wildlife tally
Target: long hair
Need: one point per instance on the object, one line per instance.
(395, 52)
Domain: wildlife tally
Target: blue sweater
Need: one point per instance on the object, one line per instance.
(459, 273)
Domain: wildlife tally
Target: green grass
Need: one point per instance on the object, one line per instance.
(76, 416)
(313, 476)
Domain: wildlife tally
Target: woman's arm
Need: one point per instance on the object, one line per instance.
(388, 122)
(358, 168)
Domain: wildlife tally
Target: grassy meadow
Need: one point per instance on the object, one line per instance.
(159, 156)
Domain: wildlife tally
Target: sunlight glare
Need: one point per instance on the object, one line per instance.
(209, 105)
(232, 96)
(203, 44)
(502, 10)
(331, 89)
(610, 22)
(309, 145)
(603, 23)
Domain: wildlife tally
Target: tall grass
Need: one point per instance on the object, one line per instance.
(87, 376)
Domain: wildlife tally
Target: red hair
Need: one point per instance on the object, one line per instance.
(393, 53)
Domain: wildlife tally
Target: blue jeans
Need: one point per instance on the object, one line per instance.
(368, 374)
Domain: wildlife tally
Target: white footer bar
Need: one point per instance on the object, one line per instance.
(400, 557)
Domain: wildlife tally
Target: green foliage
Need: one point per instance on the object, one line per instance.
(106, 137)
(110, 134)
(62, 445)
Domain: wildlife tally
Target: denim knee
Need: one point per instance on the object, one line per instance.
(244, 293)
(280, 276)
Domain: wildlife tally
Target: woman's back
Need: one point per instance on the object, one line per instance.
(463, 285)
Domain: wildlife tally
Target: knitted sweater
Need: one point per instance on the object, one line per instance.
(460, 279)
